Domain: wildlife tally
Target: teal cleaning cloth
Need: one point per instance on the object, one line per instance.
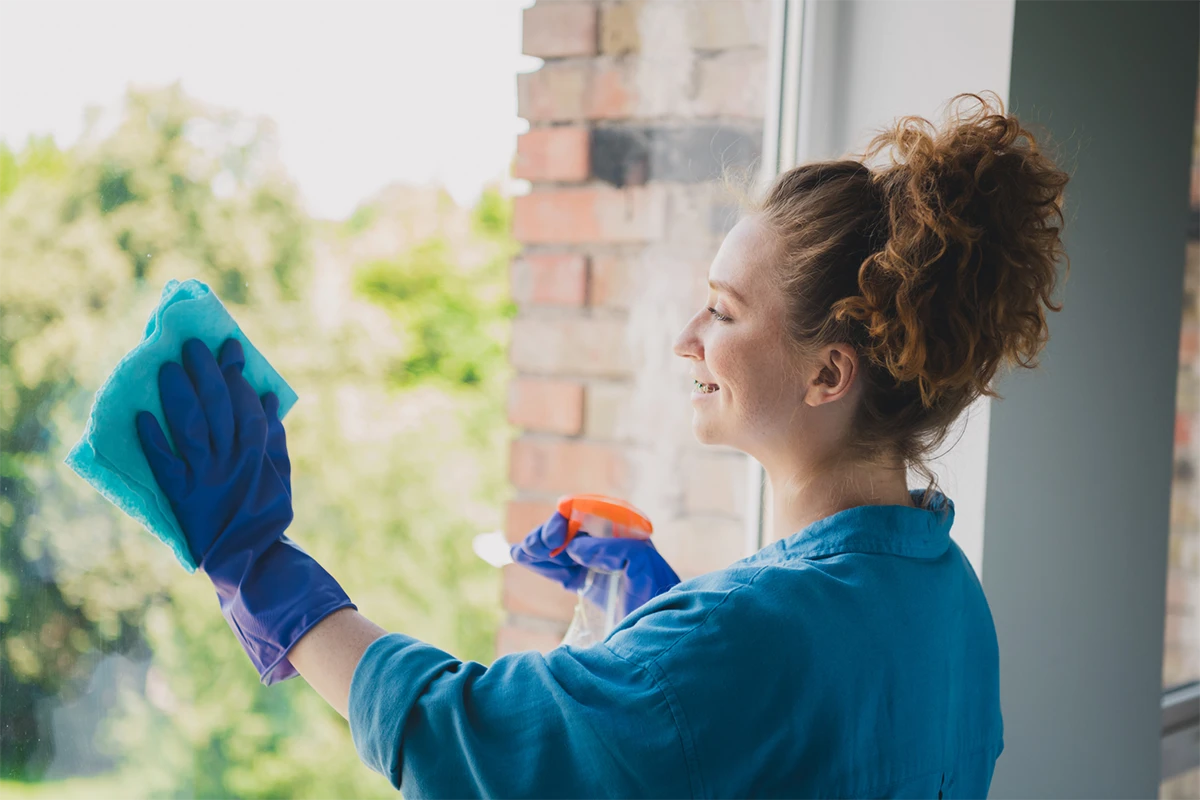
(109, 456)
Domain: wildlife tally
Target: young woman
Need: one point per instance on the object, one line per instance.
(852, 317)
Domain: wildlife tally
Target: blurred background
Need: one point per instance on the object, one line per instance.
(466, 232)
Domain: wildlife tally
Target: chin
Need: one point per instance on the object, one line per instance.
(705, 432)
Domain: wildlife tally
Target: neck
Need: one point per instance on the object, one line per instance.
(804, 493)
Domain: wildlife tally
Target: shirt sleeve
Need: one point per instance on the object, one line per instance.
(576, 722)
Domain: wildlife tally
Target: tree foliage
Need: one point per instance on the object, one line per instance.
(397, 442)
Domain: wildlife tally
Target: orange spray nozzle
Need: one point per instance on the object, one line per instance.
(627, 521)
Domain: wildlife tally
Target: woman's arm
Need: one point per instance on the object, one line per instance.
(527, 726)
(327, 655)
(576, 722)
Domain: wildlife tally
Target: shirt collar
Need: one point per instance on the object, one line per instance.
(910, 531)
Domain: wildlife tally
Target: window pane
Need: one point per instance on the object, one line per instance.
(386, 310)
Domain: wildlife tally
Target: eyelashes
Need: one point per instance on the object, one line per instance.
(717, 315)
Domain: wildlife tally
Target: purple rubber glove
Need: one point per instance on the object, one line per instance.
(647, 573)
(230, 489)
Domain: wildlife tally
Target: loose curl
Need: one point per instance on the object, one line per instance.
(938, 266)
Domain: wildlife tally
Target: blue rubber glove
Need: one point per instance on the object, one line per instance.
(647, 573)
(230, 489)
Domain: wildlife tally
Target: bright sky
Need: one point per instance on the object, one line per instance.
(363, 93)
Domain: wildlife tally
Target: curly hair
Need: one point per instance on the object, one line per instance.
(938, 265)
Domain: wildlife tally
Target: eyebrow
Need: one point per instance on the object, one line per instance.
(721, 286)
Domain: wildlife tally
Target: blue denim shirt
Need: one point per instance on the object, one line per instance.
(854, 658)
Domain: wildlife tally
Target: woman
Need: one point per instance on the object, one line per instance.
(852, 317)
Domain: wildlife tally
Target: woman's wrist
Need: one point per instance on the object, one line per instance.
(327, 655)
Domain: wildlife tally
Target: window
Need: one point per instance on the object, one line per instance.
(356, 225)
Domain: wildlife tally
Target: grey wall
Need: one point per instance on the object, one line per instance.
(1078, 474)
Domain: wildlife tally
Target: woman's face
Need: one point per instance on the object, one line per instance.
(751, 393)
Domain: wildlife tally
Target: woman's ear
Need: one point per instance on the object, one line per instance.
(833, 375)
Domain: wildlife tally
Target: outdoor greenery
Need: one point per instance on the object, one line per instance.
(391, 330)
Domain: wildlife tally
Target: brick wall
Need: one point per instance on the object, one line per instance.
(1181, 659)
(636, 111)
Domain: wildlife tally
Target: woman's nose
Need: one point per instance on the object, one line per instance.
(687, 344)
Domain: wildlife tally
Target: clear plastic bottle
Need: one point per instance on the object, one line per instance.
(600, 607)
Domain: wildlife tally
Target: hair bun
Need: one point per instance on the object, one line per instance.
(974, 218)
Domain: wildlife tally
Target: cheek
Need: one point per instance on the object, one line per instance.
(735, 364)
(721, 357)
(754, 370)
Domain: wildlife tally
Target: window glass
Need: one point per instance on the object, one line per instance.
(306, 166)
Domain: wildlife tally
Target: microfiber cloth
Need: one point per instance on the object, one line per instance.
(109, 456)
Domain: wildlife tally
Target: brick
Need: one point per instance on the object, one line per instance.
(550, 279)
(523, 516)
(1191, 272)
(553, 154)
(514, 639)
(1183, 591)
(732, 84)
(554, 30)
(610, 284)
(577, 89)
(526, 592)
(632, 155)
(619, 28)
(1187, 392)
(586, 215)
(1189, 544)
(1175, 545)
(1179, 632)
(1189, 343)
(546, 405)
(715, 484)
(1183, 431)
(696, 545)
(560, 466)
(581, 346)
(701, 216)
(612, 93)
(605, 406)
(653, 408)
(726, 24)
(554, 92)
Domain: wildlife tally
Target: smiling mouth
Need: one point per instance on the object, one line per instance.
(705, 388)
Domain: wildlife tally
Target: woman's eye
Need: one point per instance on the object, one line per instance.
(717, 315)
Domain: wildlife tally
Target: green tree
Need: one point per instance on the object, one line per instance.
(398, 441)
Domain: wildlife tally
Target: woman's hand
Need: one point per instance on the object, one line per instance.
(648, 574)
(230, 488)
(225, 493)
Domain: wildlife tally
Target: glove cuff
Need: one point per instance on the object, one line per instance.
(279, 598)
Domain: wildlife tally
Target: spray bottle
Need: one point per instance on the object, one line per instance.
(602, 517)
(596, 515)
